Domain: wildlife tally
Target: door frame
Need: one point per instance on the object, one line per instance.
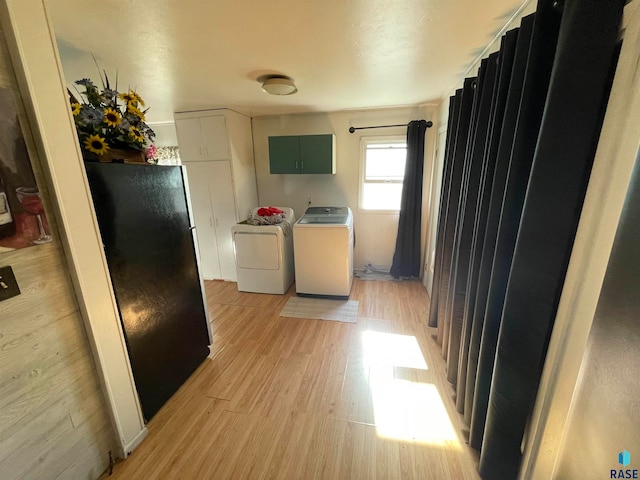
(434, 208)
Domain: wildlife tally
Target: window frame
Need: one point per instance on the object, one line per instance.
(365, 141)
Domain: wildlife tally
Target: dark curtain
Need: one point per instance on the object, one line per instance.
(451, 331)
(439, 285)
(521, 148)
(520, 143)
(459, 143)
(458, 344)
(491, 175)
(442, 217)
(556, 188)
(406, 258)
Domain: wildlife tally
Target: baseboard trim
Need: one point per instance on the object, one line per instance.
(133, 444)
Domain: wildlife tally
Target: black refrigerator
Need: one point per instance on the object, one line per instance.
(144, 220)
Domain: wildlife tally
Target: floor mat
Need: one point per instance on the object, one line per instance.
(321, 309)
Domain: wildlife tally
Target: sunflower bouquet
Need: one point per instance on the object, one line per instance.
(108, 119)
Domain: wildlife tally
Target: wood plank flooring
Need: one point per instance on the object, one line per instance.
(296, 398)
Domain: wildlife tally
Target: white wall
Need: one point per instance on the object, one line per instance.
(166, 135)
(375, 233)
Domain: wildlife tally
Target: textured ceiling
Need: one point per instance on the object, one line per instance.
(342, 54)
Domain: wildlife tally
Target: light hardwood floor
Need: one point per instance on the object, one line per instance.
(296, 398)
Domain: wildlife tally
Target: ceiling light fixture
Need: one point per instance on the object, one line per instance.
(279, 85)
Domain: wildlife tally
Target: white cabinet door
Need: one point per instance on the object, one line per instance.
(189, 139)
(199, 176)
(214, 213)
(215, 142)
(224, 210)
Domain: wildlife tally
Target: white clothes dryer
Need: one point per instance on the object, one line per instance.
(264, 255)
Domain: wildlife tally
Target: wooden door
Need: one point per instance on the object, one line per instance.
(199, 175)
(224, 211)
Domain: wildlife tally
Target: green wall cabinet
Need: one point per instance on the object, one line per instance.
(302, 154)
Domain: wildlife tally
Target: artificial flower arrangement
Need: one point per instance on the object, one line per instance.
(108, 120)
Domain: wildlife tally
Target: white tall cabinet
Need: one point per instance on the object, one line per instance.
(216, 147)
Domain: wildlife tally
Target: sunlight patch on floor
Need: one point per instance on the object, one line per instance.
(408, 410)
(392, 349)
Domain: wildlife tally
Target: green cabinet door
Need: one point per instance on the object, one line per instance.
(316, 154)
(302, 154)
(284, 154)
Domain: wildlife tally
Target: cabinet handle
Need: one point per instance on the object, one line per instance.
(210, 221)
(296, 164)
(206, 150)
(200, 149)
(301, 166)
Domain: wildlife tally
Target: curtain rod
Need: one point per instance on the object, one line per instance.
(353, 129)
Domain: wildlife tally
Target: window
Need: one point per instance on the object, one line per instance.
(382, 172)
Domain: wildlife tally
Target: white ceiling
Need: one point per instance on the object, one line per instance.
(343, 54)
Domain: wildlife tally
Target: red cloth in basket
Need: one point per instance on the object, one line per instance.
(268, 211)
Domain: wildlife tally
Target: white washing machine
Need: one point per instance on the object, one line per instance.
(264, 255)
(323, 243)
